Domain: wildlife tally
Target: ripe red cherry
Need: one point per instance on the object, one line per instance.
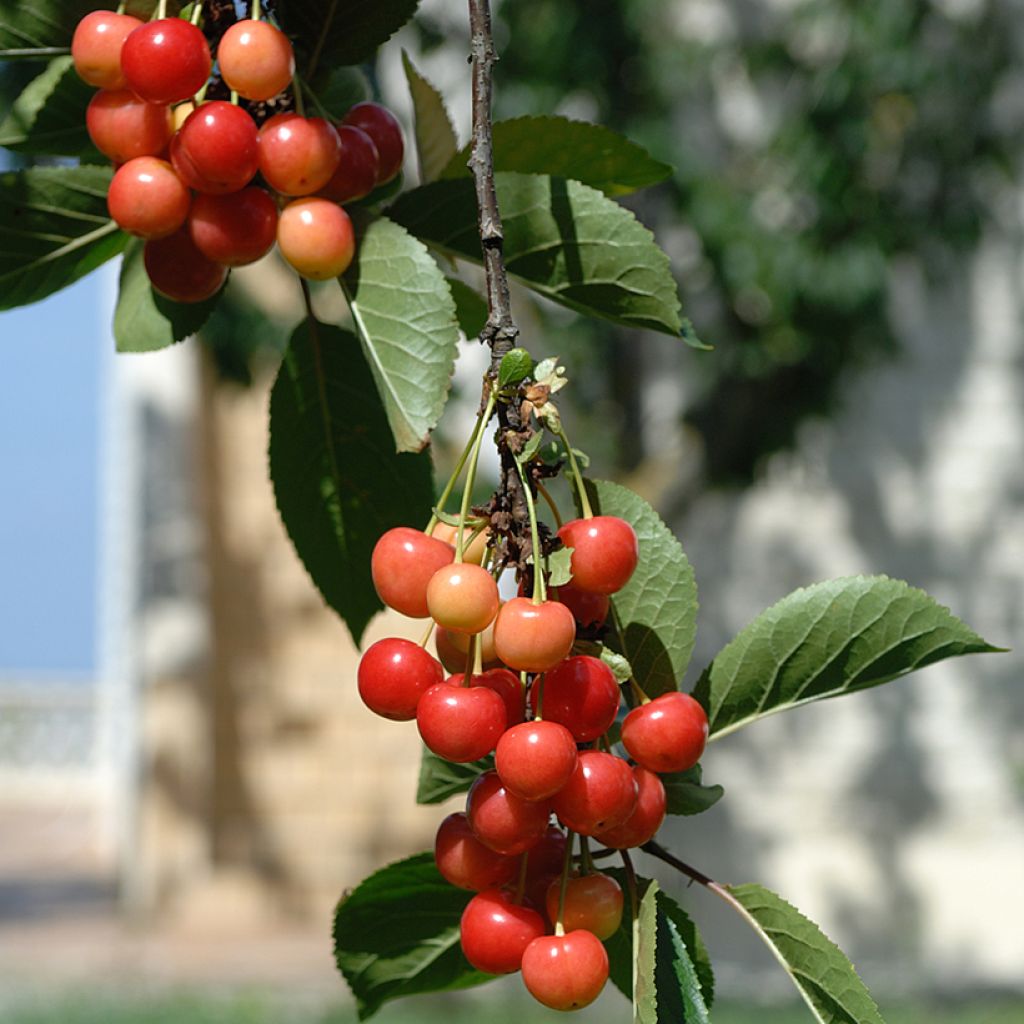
(255, 59)
(298, 155)
(495, 931)
(668, 734)
(215, 151)
(588, 608)
(463, 598)
(96, 47)
(166, 60)
(544, 861)
(123, 127)
(581, 694)
(147, 198)
(178, 270)
(565, 972)
(593, 902)
(535, 759)
(380, 124)
(316, 237)
(402, 563)
(392, 676)
(234, 229)
(533, 637)
(460, 723)
(501, 820)
(641, 826)
(356, 175)
(504, 683)
(601, 793)
(465, 862)
(605, 552)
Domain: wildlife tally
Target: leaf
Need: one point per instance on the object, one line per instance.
(338, 481)
(41, 25)
(558, 563)
(685, 793)
(824, 976)
(564, 240)
(825, 640)
(440, 779)
(339, 88)
(516, 365)
(397, 934)
(436, 143)
(144, 320)
(563, 148)
(405, 319)
(654, 616)
(620, 666)
(54, 228)
(470, 308)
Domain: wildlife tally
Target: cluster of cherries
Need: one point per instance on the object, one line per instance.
(545, 713)
(186, 168)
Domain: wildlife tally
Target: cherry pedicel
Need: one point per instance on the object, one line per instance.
(146, 198)
(601, 793)
(460, 723)
(465, 862)
(581, 693)
(533, 637)
(166, 60)
(255, 59)
(392, 676)
(316, 237)
(495, 931)
(178, 270)
(402, 564)
(535, 759)
(593, 902)
(565, 972)
(501, 820)
(96, 47)
(640, 827)
(380, 124)
(605, 552)
(215, 150)
(668, 734)
(234, 229)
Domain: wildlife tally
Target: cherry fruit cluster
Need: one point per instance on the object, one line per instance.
(205, 185)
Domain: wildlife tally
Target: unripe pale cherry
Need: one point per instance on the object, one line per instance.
(601, 793)
(401, 565)
(463, 598)
(485, 638)
(640, 827)
(465, 862)
(179, 271)
(255, 59)
(234, 229)
(96, 47)
(473, 551)
(505, 684)
(535, 759)
(593, 902)
(146, 198)
(495, 931)
(668, 734)
(356, 175)
(316, 237)
(460, 723)
(384, 130)
(215, 151)
(166, 60)
(501, 820)
(588, 608)
(298, 155)
(123, 127)
(533, 637)
(581, 693)
(605, 552)
(565, 972)
(392, 676)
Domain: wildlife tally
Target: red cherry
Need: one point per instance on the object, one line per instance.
(356, 175)
(255, 59)
(588, 608)
(96, 47)
(465, 862)
(316, 237)
(460, 723)
(501, 820)
(509, 688)
(495, 931)
(215, 150)
(533, 637)
(166, 60)
(178, 270)
(581, 694)
(544, 861)
(593, 902)
(463, 597)
(147, 198)
(393, 674)
(605, 552)
(234, 229)
(380, 124)
(123, 127)
(298, 155)
(565, 972)
(475, 549)
(641, 826)
(601, 793)
(668, 734)
(535, 759)
(402, 563)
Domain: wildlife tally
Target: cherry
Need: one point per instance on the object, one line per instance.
(380, 124)
(565, 972)
(465, 862)
(298, 155)
(255, 59)
(544, 861)
(96, 47)
(463, 597)
(504, 683)
(473, 551)
(316, 237)
(147, 198)
(178, 270)
(668, 734)
(588, 608)
(460, 723)
(485, 638)
(495, 931)
(216, 150)
(392, 676)
(356, 175)
(641, 826)
(601, 793)
(535, 759)
(593, 902)
(234, 229)
(402, 563)
(501, 820)
(123, 127)
(581, 694)
(533, 637)
(605, 552)
(166, 60)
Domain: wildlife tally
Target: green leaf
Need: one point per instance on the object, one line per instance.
(819, 969)
(338, 481)
(436, 143)
(41, 25)
(397, 934)
(558, 563)
(144, 320)
(405, 319)
(685, 793)
(54, 228)
(564, 240)
(654, 616)
(440, 779)
(563, 148)
(516, 365)
(825, 640)
(620, 666)
(470, 308)
(339, 88)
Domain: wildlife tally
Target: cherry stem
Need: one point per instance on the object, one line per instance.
(478, 658)
(638, 693)
(315, 100)
(659, 851)
(467, 676)
(197, 12)
(634, 686)
(300, 105)
(234, 97)
(429, 633)
(566, 868)
(539, 589)
(161, 10)
(587, 862)
(256, 13)
(523, 685)
(543, 492)
(634, 909)
(121, 6)
(538, 684)
(581, 490)
(456, 473)
(467, 489)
